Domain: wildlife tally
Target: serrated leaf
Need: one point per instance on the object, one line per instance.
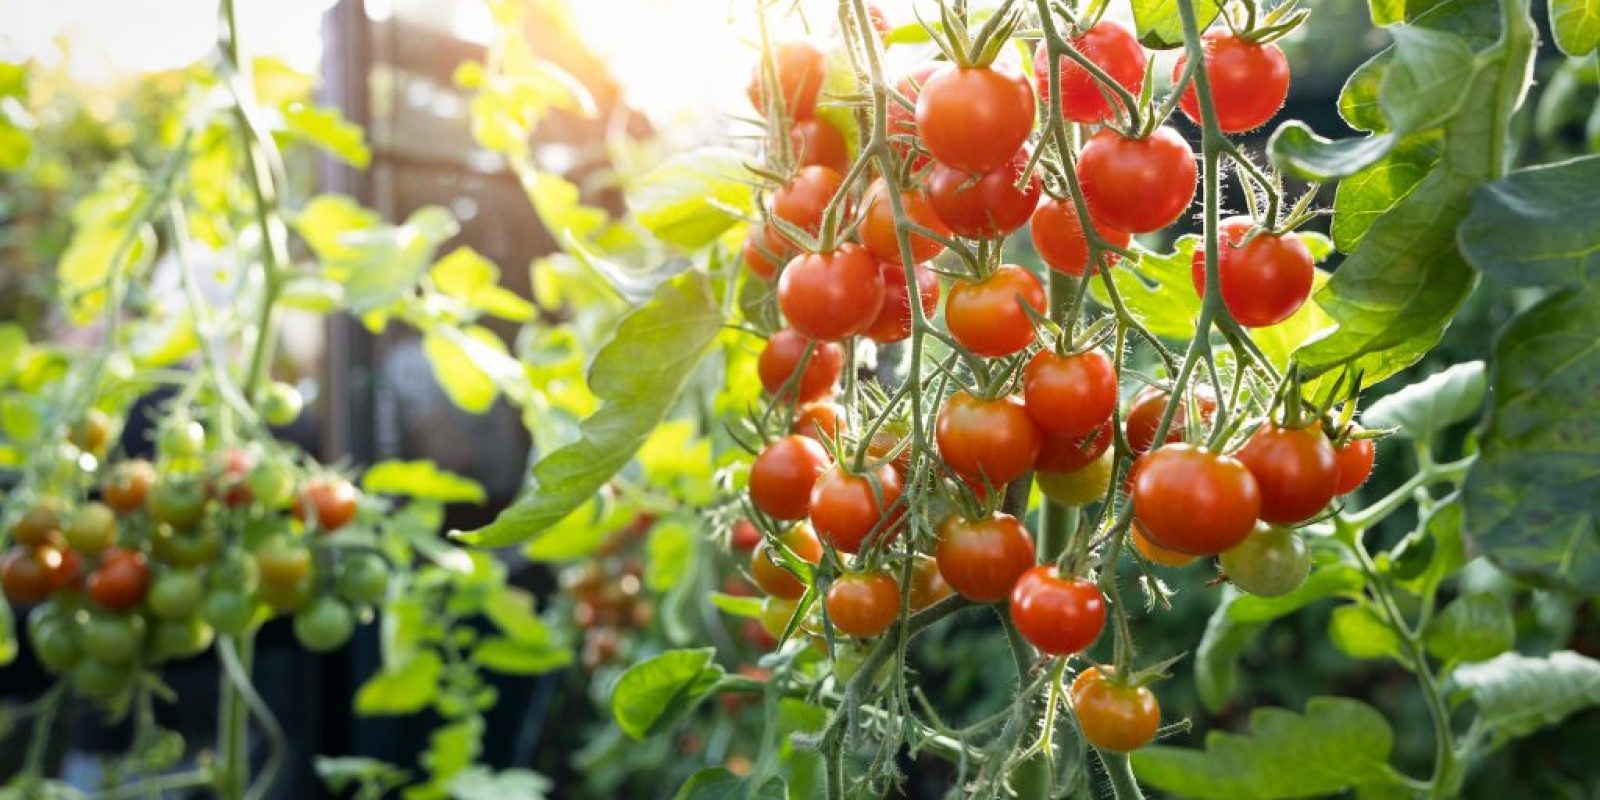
(1576, 25)
(691, 198)
(379, 265)
(1473, 627)
(406, 689)
(1369, 194)
(1517, 694)
(422, 480)
(1433, 404)
(655, 692)
(1159, 25)
(514, 657)
(326, 127)
(1551, 207)
(1158, 289)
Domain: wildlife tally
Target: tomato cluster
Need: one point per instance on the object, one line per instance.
(609, 602)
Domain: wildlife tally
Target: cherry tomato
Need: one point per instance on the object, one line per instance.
(901, 122)
(1296, 470)
(986, 439)
(885, 441)
(284, 598)
(863, 604)
(185, 548)
(1155, 553)
(91, 529)
(229, 612)
(974, 118)
(271, 484)
(831, 296)
(325, 626)
(177, 639)
(113, 638)
(744, 537)
(1079, 487)
(182, 438)
(68, 569)
(334, 501)
(781, 357)
(96, 679)
(55, 642)
(1070, 395)
(877, 230)
(775, 615)
(177, 502)
(1248, 81)
(816, 143)
(1111, 716)
(40, 524)
(283, 562)
(1263, 281)
(1058, 615)
(1195, 501)
(880, 20)
(766, 251)
(175, 593)
(362, 579)
(92, 432)
(847, 509)
(1072, 453)
(804, 199)
(229, 483)
(1058, 236)
(1109, 46)
(986, 205)
(801, 68)
(1271, 562)
(26, 572)
(820, 421)
(1144, 416)
(1355, 464)
(987, 316)
(126, 488)
(782, 476)
(982, 559)
(894, 318)
(767, 570)
(1137, 185)
(281, 404)
(928, 585)
(121, 580)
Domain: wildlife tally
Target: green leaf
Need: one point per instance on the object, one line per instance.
(480, 783)
(1437, 544)
(1517, 694)
(1421, 88)
(422, 480)
(327, 219)
(379, 265)
(466, 384)
(1369, 194)
(474, 280)
(406, 689)
(15, 145)
(655, 692)
(8, 635)
(514, 657)
(512, 611)
(1301, 152)
(691, 198)
(1473, 627)
(1433, 404)
(579, 534)
(1358, 633)
(717, 783)
(638, 375)
(747, 607)
(1358, 100)
(1161, 28)
(670, 549)
(1337, 745)
(1551, 209)
(1576, 25)
(326, 127)
(1158, 289)
(1530, 497)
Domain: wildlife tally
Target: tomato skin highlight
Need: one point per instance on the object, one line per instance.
(1058, 615)
(877, 226)
(1072, 453)
(1069, 395)
(991, 440)
(773, 578)
(845, 509)
(1137, 185)
(1248, 81)
(831, 296)
(1058, 235)
(783, 474)
(1263, 282)
(121, 580)
(987, 316)
(1194, 501)
(982, 559)
(1119, 719)
(975, 118)
(801, 69)
(894, 318)
(863, 604)
(984, 205)
(1355, 464)
(1296, 470)
(816, 143)
(804, 199)
(1113, 49)
(782, 355)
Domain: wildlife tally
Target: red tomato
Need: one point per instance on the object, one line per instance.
(744, 536)
(982, 559)
(985, 205)
(26, 574)
(1112, 48)
(334, 500)
(816, 143)
(1058, 236)
(1248, 81)
(782, 356)
(820, 421)
(234, 466)
(986, 439)
(1072, 453)
(68, 569)
(126, 488)
(765, 252)
(974, 118)
(1355, 464)
(769, 573)
(901, 122)
(894, 319)
(877, 227)
(848, 512)
(832, 296)
(1137, 185)
(863, 604)
(883, 443)
(801, 69)
(1195, 501)
(1114, 717)
(1070, 395)
(121, 580)
(1144, 416)
(1155, 553)
(782, 476)
(1060, 616)
(1264, 281)
(928, 585)
(986, 316)
(804, 199)
(40, 524)
(1296, 470)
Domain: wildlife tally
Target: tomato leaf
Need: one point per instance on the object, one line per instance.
(1158, 289)
(1517, 694)
(655, 692)
(747, 607)
(1369, 194)
(638, 375)
(513, 657)
(1433, 404)
(1473, 627)
(480, 783)
(422, 480)
(717, 783)
(326, 127)
(1336, 745)
(691, 198)
(1299, 150)
(1420, 89)
(1551, 208)
(1576, 25)
(1161, 28)
(406, 689)
(1358, 632)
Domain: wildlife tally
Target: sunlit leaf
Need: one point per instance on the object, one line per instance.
(326, 127)
(655, 692)
(1517, 694)
(691, 198)
(1576, 25)
(1473, 627)
(422, 480)
(404, 690)
(1433, 404)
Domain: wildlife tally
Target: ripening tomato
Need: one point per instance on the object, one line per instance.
(782, 476)
(1248, 81)
(767, 570)
(820, 421)
(928, 585)
(801, 68)
(67, 568)
(816, 143)
(831, 296)
(1355, 464)
(91, 529)
(232, 468)
(181, 438)
(40, 524)
(120, 582)
(92, 432)
(982, 558)
(1082, 486)
(1271, 562)
(177, 501)
(986, 440)
(1137, 185)
(765, 251)
(804, 199)
(126, 488)
(987, 317)
(885, 441)
(781, 357)
(1114, 717)
(25, 574)
(1070, 395)
(901, 122)
(745, 536)
(894, 319)
(776, 613)
(1263, 281)
(877, 229)
(1109, 46)
(334, 501)
(1296, 470)
(848, 511)
(282, 562)
(185, 547)
(863, 604)
(1072, 453)
(1155, 553)
(1058, 236)
(1195, 501)
(986, 205)
(1059, 615)
(974, 118)
(1146, 408)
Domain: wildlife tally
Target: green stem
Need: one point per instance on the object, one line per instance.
(158, 785)
(1119, 770)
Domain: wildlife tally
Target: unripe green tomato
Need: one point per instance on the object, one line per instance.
(1270, 562)
(263, 528)
(91, 529)
(92, 432)
(113, 638)
(47, 612)
(775, 615)
(281, 404)
(55, 644)
(185, 548)
(1033, 778)
(230, 612)
(325, 626)
(271, 484)
(101, 679)
(175, 594)
(182, 439)
(177, 502)
(1080, 487)
(175, 639)
(362, 578)
(234, 571)
(286, 597)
